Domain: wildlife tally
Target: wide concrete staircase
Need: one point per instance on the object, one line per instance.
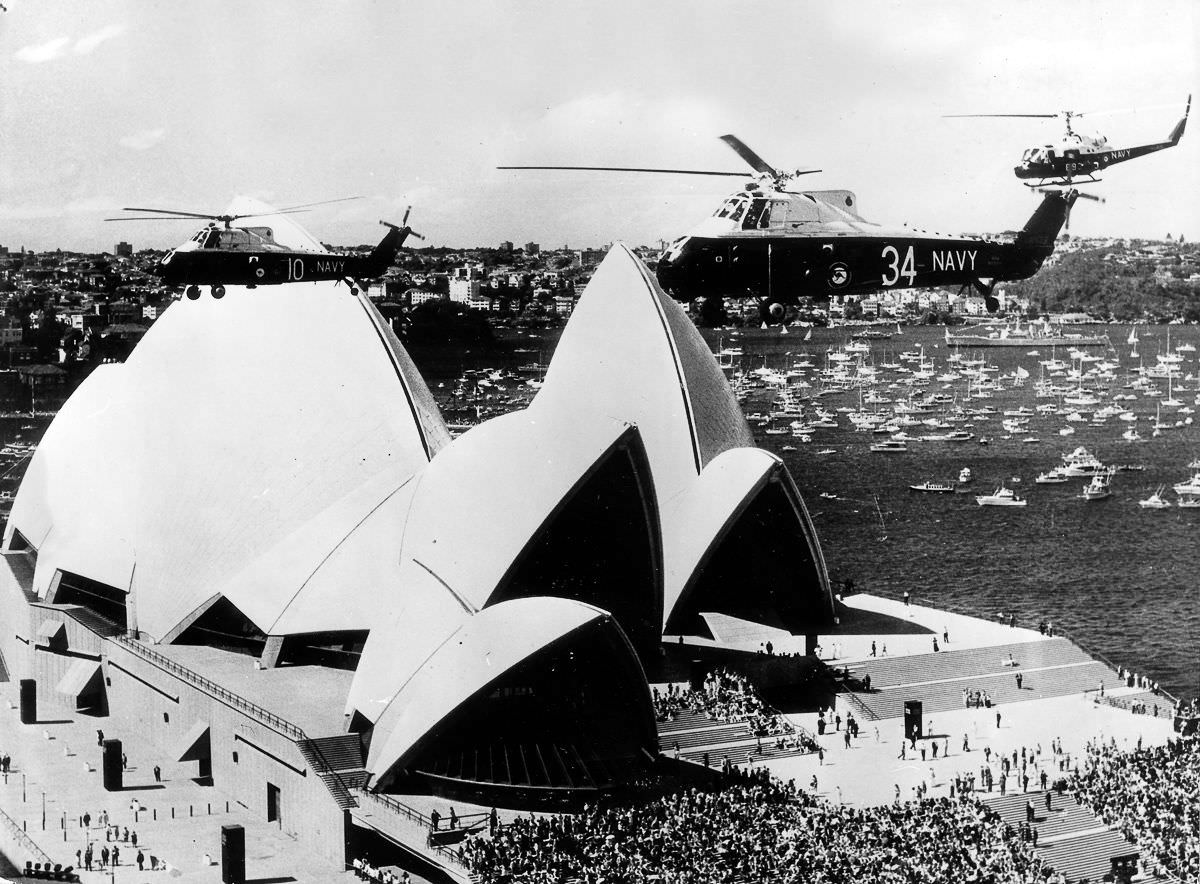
(1050, 668)
(1071, 838)
(696, 735)
(338, 761)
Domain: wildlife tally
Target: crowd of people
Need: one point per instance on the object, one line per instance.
(725, 696)
(758, 829)
(1151, 795)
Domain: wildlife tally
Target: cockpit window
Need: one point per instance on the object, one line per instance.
(731, 208)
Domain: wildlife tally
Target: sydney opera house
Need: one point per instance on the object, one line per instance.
(256, 542)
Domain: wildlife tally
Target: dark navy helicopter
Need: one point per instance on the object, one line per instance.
(779, 245)
(1077, 154)
(221, 254)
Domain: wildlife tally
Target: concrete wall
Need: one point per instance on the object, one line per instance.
(159, 707)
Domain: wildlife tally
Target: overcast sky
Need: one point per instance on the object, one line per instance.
(185, 105)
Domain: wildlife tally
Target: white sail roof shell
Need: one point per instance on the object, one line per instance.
(479, 650)
(474, 510)
(630, 352)
(232, 424)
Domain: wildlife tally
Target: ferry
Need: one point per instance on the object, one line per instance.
(1031, 335)
(935, 487)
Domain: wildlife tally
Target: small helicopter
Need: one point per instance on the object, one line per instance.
(780, 245)
(1077, 154)
(221, 254)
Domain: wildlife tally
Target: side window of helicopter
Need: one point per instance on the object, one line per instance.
(728, 208)
(755, 215)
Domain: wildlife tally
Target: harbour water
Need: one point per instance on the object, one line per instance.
(1119, 579)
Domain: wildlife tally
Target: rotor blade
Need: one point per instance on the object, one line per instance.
(156, 218)
(1027, 116)
(209, 215)
(1078, 193)
(626, 169)
(305, 206)
(262, 214)
(1128, 110)
(757, 163)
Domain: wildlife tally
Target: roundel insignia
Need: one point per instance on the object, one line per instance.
(839, 275)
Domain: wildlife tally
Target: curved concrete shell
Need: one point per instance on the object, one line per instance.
(484, 670)
(640, 359)
(523, 505)
(234, 425)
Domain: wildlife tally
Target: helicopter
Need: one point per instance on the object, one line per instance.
(1077, 154)
(781, 245)
(220, 254)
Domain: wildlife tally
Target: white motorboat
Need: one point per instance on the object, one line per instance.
(1002, 496)
(965, 476)
(890, 445)
(1191, 486)
(1155, 501)
(1098, 488)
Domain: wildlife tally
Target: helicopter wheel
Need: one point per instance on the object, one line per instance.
(193, 292)
(218, 291)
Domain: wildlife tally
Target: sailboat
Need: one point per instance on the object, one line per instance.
(808, 335)
(1171, 401)
(1132, 341)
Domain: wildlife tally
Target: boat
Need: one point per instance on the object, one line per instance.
(1053, 477)
(935, 487)
(1155, 501)
(1002, 496)
(1031, 335)
(965, 476)
(1189, 501)
(893, 445)
(1097, 489)
(1191, 486)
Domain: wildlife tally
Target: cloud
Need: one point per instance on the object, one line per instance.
(85, 45)
(143, 140)
(41, 52)
(59, 46)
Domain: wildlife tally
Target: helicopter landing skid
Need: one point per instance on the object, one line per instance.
(1061, 182)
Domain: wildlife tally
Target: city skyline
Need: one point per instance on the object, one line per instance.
(161, 105)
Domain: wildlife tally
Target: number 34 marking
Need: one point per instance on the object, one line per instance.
(896, 269)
